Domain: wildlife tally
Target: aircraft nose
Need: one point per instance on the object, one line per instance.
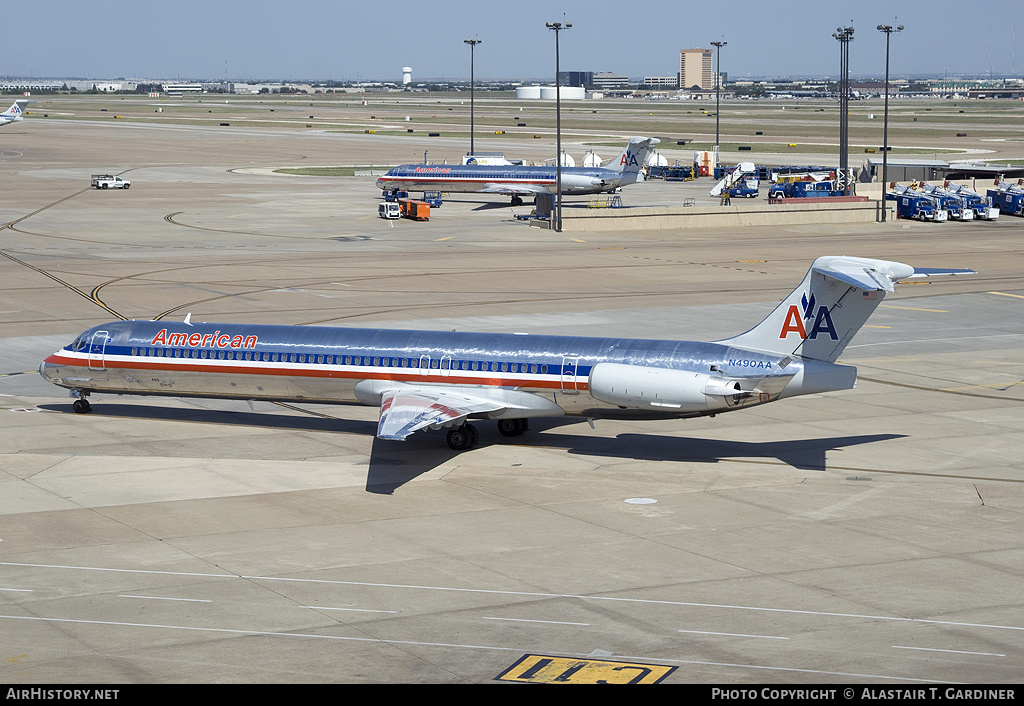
(48, 370)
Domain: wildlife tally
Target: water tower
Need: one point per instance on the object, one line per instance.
(406, 75)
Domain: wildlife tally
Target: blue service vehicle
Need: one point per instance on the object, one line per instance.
(433, 198)
(916, 205)
(1008, 198)
(742, 180)
(981, 205)
(679, 172)
(954, 204)
(804, 189)
(745, 188)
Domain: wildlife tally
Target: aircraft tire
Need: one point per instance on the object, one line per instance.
(460, 438)
(512, 427)
(82, 406)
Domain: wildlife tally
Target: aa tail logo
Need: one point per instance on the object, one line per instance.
(794, 322)
(628, 160)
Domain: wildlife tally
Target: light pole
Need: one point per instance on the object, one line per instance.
(557, 27)
(718, 87)
(472, 89)
(885, 129)
(845, 36)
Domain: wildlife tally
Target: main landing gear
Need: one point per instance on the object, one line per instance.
(464, 437)
(461, 438)
(82, 406)
(513, 427)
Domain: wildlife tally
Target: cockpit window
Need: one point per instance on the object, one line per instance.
(79, 343)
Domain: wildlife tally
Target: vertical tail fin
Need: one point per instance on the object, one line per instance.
(632, 158)
(820, 317)
(14, 112)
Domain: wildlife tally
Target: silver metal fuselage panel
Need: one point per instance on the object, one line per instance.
(324, 364)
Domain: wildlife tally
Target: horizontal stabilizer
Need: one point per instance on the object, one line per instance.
(938, 271)
(870, 275)
(818, 319)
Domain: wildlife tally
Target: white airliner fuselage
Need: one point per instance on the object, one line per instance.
(435, 379)
(518, 181)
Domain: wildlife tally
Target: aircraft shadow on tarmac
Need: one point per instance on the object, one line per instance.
(393, 464)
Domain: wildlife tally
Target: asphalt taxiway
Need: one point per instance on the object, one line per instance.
(868, 536)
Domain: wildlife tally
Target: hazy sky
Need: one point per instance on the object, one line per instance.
(348, 40)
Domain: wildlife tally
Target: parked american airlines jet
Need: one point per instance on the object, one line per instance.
(13, 114)
(435, 379)
(518, 181)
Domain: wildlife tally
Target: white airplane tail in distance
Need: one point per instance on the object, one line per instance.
(14, 113)
(443, 379)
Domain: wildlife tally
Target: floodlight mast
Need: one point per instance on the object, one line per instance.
(472, 89)
(557, 27)
(845, 36)
(888, 30)
(718, 89)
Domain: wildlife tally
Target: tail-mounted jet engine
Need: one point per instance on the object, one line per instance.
(638, 386)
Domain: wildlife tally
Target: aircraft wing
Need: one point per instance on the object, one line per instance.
(521, 190)
(405, 410)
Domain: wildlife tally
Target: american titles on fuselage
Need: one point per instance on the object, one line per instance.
(203, 340)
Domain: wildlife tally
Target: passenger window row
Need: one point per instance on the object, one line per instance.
(445, 363)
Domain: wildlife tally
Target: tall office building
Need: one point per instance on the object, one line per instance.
(695, 69)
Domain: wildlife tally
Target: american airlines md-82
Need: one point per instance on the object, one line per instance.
(518, 181)
(435, 379)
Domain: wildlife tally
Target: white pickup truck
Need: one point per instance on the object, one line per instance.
(109, 181)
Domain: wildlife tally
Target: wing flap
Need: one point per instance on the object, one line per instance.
(404, 411)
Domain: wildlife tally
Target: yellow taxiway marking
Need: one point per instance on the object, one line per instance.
(1004, 294)
(577, 240)
(438, 240)
(871, 326)
(911, 308)
(545, 669)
